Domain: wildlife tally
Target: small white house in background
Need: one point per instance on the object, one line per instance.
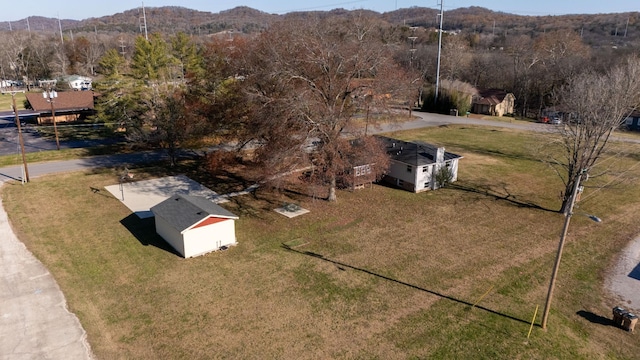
(77, 82)
(414, 166)
(194, 225)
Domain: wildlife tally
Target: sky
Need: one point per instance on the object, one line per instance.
(12, 10)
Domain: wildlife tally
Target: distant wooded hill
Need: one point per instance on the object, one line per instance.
(616, 29)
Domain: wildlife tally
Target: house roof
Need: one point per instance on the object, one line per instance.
(66, 101)
(414, 153)
(185, 211)
(634, 114)
(490, 96)
(76, 78)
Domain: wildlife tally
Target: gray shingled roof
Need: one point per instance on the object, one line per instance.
(183, 211)
(413, 153)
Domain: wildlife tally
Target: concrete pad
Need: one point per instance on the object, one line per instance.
(291, 210)
(140, 196)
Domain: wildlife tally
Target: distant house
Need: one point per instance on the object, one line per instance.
(194, 225)
(632, 122)
(68, 106)
(77, 82)
(493, 102)
(415, 166)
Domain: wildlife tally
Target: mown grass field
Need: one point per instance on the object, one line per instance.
(6, 102)
(381, 274)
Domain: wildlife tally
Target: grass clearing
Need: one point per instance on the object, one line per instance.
(382, 273)
(6, 104)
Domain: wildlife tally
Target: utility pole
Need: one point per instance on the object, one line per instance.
(144, 23)
(122, 46)
(435, 98)
(51, 94)
(60, 27)
(626, 28)
(24, 159)
(565, 228)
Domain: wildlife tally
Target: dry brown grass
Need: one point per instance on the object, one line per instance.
(382, 273)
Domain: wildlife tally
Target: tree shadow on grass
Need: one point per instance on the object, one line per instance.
(595, 318)
(343, 266)
(508, 197)
(144, 231)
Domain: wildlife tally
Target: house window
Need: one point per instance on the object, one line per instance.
(409, 168)
(362, 170)
(400, 182)
(426, 185)
(424, 169)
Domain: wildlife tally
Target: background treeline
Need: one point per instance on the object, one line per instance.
(614, 29)
(530, 56)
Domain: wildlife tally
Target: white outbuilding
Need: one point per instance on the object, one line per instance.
(194, 225)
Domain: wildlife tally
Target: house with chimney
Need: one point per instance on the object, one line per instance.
(418, 166)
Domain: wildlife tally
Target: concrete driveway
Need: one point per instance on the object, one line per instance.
(34, 320)
(623, 281)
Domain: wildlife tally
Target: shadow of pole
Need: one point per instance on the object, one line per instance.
(343, 265)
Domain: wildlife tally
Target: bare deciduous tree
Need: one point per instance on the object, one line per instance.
(595, 105)
(305, 80)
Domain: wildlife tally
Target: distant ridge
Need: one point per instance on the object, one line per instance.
(596, 29)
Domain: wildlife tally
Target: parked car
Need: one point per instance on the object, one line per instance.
(555, 120)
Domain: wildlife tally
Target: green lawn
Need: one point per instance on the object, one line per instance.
(6, 104)
(381, 274)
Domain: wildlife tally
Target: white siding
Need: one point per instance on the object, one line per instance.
(423, 178)
(209, 238)
(169, 234)
(454, 170)
(399, 171)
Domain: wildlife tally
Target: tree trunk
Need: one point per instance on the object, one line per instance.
(566, 197)
(332, 189)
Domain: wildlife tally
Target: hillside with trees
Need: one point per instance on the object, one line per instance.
(615, 29)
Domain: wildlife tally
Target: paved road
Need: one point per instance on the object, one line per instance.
(45, 168)
(34, 142)
(428, 119)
